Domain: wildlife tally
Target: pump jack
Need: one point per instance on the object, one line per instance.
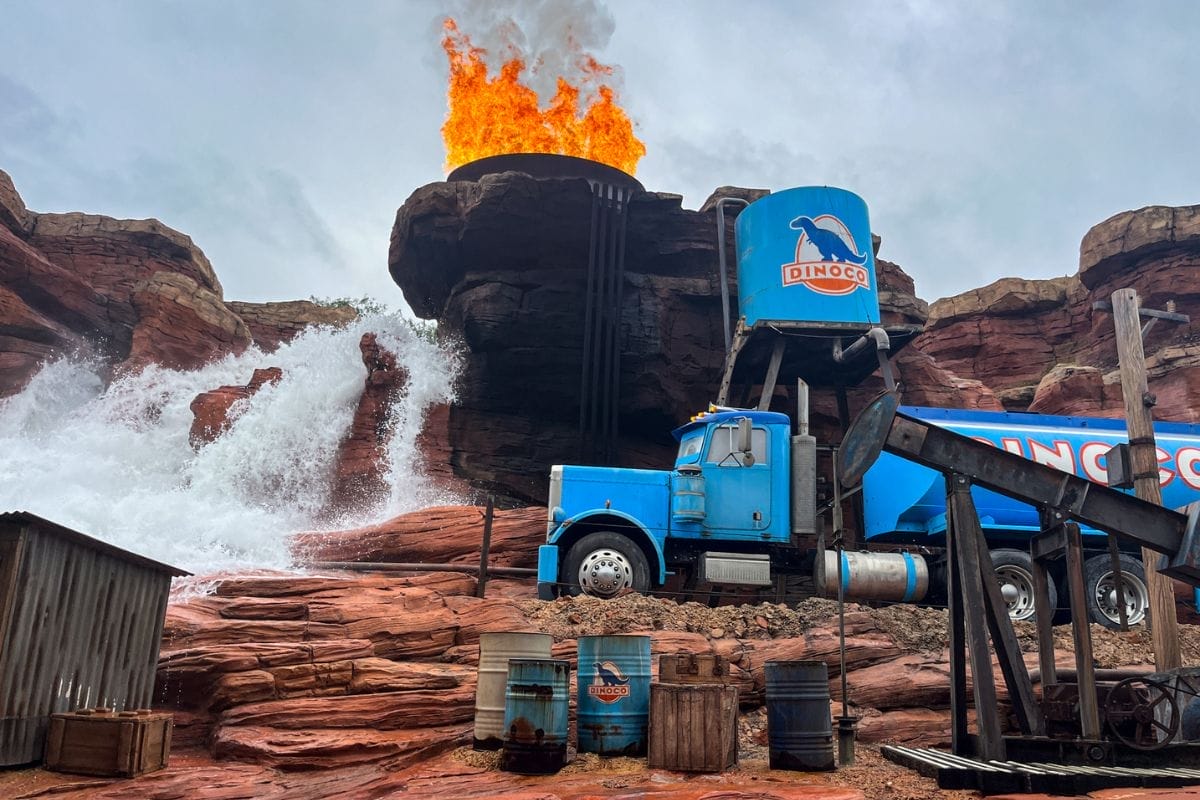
(977, 610)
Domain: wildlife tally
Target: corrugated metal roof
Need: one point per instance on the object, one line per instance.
(25, 518)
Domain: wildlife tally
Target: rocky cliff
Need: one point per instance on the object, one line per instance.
(134, 292)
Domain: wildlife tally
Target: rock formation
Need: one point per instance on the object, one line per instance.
(501, 264)
(361, 685)
(1041, 346)
(212, 409)
(358, 477)
(134, 292)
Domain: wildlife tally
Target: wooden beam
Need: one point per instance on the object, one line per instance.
(1004, 638)
(486, 547)
(1044, 620)
(960, 740)
(1085, 676)
(989, 743)
(1164, 627)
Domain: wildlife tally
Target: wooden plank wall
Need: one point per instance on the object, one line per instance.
(83, 631)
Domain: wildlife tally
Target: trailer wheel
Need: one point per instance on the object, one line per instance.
(1101, 593)
(601, 564)
(1014, 569)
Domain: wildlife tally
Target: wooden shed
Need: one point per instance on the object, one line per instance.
(80, 624)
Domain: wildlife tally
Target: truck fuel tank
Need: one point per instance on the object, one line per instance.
(900, 577)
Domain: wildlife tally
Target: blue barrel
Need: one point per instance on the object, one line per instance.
(799, 728)
(614, 694)
(805, 255)
(535, 715)
(687, 496)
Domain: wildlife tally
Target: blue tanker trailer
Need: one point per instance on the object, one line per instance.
(905, 503)
(738, 509)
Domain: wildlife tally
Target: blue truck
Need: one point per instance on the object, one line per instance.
(739, 509)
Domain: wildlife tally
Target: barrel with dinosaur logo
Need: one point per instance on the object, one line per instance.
(535, 715)
(614, 694)
(805, 255)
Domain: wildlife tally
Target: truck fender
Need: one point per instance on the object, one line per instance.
(618, 522)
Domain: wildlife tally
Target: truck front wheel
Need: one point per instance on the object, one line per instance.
(1100, 590)
(601, 564)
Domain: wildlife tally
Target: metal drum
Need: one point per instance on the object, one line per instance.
(495, 650)
(805, 255)
(900, 577)
(799, 729)
(535, 715)
(614, 694)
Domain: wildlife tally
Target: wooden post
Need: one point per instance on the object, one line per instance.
(1089, 711)
(960, 740)
(481, 585)
(989, 743)
(1164, 627)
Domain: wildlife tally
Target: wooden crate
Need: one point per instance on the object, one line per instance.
(103, 742)
(691, 668)
(693, 727)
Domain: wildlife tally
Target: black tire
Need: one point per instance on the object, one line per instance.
(1099, 590)
(604, 563)
(1014, 569)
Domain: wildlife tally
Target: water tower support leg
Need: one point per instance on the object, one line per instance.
(768, 389)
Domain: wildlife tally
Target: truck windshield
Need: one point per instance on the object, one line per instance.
(690, 446)
(724, 439)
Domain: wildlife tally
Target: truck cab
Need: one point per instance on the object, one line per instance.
(610, 529)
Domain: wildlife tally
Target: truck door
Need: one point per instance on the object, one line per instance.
(737, 493)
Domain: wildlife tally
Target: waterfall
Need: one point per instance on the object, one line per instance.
(114, 461)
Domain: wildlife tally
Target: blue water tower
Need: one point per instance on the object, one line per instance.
(805, 255)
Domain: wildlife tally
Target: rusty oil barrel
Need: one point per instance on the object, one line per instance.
(495, 650)
(535, 715)
(613, 706)
(799, 726)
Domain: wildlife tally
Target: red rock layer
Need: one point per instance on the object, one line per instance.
(211, 409)
(359, 472)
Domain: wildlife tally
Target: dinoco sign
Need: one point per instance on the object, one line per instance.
(827, 260)
(608, 684)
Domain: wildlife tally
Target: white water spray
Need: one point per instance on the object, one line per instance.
(116, 464)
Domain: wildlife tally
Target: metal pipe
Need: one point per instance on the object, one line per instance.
(1115, 674)
(721, 262)
(801, 407)
(877, 335)
(846, 723)
(395, 566)
(623, 211)
(585, 386)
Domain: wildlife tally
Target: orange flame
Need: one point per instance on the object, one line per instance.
(495, 116)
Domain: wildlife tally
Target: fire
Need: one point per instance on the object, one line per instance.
(500, 115)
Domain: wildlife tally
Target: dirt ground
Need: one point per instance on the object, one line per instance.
(872, 774)
(914, 627)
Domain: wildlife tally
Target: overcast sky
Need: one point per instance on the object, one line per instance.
(986, 137)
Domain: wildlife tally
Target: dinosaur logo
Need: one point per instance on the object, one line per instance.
(826, 258)
(608, 685)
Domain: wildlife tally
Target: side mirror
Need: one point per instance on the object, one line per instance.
(744, 441)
